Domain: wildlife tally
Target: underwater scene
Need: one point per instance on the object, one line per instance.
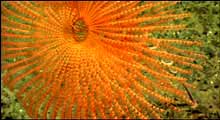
(110, 60)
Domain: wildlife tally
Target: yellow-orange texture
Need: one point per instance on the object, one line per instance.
(94, 59)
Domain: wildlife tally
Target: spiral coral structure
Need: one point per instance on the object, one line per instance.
(94, 59)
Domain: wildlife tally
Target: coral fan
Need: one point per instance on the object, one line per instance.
(94, 59)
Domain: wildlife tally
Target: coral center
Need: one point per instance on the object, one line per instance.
(80, 30)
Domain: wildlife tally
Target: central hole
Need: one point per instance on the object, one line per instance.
(80, 30)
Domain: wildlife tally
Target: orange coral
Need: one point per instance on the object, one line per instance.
(86, 59)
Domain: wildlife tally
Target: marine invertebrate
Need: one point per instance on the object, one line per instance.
(86, 59)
